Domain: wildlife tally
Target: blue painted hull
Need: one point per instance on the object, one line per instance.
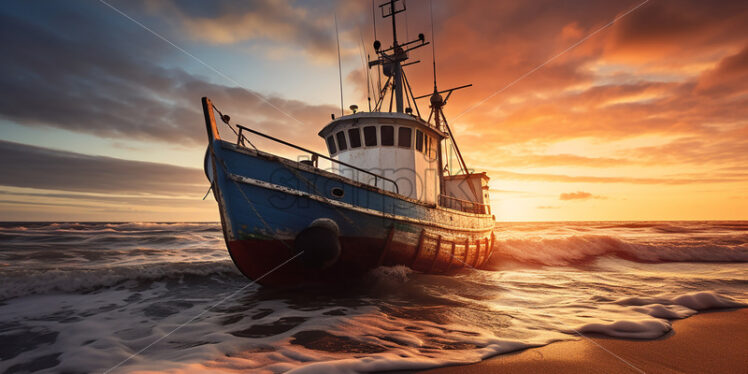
(265, 201)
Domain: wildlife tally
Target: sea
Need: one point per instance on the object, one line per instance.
(145, 297)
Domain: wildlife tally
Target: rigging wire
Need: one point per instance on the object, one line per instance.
(374, 19)
(340, 67)
(374, 24)
(406, 26)
(369, 89)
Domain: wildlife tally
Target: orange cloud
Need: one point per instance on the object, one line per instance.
(658, 100)
(579, 195)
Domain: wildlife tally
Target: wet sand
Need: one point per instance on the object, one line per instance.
(712, 342)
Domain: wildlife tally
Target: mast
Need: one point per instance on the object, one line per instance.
(396, 65)
(391, 59)
(437, 113)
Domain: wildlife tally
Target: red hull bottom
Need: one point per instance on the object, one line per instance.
(267, 261)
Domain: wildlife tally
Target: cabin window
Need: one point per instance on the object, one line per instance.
(388, 135)
(419, 140)
(403, 136)
(370, 136)
(432, 148)
(331, 145)
(354, 135)
(341, 141)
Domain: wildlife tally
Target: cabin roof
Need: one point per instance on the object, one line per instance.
(381, 118)
(483, 175)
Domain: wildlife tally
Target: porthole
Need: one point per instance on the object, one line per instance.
(337, 192)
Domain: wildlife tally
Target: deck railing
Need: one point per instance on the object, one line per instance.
(463, 205)
(241, 138)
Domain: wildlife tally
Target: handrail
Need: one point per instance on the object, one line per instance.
(473, 207)
(313, 153)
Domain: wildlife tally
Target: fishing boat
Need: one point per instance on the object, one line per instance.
(397, 190)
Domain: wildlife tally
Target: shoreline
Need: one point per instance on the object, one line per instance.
(708, 342)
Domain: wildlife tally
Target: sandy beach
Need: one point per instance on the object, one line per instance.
(712, 342)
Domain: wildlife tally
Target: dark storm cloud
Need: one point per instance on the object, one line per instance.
(42, 168)
(85, 68)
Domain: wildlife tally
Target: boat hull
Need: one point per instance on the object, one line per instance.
(265, 201)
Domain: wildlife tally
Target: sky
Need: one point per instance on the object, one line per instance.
(579, 110)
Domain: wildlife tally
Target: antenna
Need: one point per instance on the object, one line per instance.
(340, 66)
(366, 70)
(374, 19)
(407, 37)
(433, 40)
(374, 24)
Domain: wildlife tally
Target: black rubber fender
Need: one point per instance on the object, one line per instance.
(320, 244)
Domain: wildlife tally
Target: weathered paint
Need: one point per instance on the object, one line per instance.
(265, 201)
(261, 216)
(416, 172)
(471, 187)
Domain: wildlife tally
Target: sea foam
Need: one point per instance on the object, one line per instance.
(86, 296)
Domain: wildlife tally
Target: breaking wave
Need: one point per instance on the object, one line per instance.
(582, 249)
(89, 295)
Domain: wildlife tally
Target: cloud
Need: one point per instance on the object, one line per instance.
(671, 71)
(43, 168)
(727, 78)
(114, 82)
(682, 179)
(547, 207)
(277, 28)
(575, 195)
(272, 21)
(579, 195)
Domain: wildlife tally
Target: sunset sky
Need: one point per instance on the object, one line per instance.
(573, 118)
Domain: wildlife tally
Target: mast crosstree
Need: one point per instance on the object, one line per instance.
(391, 61)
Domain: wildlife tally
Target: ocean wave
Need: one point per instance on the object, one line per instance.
(42, 281)
(93, 227)
(581, 249)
